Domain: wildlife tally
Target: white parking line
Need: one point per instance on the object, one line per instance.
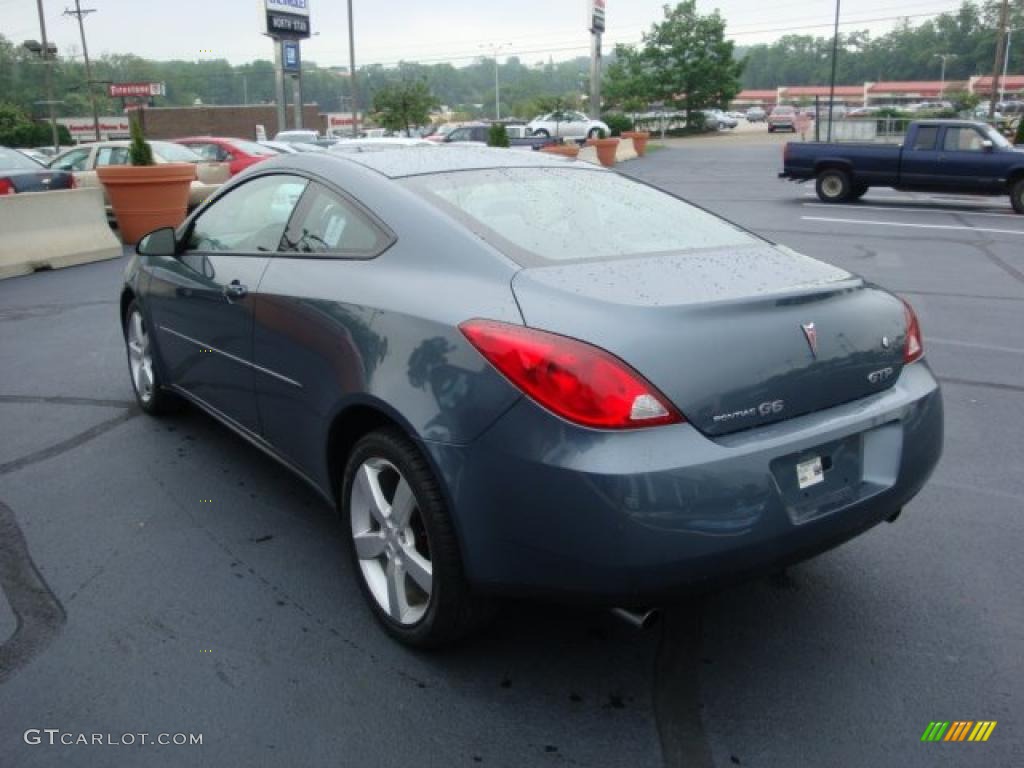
(975, 345)
(966, 202)
(901, 209)
(914, 226)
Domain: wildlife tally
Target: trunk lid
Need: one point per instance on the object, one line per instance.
(38, 181)
(721, 332)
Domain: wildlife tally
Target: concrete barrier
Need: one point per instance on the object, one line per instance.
(625, 151)
(54, 229)
(588, 155)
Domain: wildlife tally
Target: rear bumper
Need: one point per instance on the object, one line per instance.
(547, 508)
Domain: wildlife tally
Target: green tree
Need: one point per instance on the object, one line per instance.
(1018, 138)
(684, 60)
(401, 105)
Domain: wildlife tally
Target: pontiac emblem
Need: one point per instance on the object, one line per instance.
(811, 333)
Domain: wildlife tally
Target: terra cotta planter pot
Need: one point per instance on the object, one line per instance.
(565, 150)
(639, 140)
(605, 150)
(147, 197)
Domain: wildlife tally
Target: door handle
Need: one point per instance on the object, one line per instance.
(234, 290)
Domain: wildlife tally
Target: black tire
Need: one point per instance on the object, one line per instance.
(593, 133)
(833, 185)
(770, 129)
(859, 190)
(155, 400)
(451, 610)
(542, 132)
(1017, 195)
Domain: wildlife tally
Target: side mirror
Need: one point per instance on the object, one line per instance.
(987, 145)
(160, 242)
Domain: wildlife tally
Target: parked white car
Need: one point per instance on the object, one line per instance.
(567, 124)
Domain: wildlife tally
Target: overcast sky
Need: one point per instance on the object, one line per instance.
(424, 30)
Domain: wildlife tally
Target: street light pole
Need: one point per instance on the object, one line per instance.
(1004, 12)
(47, 75)
(494, 49)
(943, 57)
(1006, 61)
(352, 73)
(78, 12)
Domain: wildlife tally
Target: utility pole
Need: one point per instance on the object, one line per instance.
(352, 73)
(1006, 61)
(48, 75)
(832, 83)
(1004, 13)
(81, 13)
(597, 27)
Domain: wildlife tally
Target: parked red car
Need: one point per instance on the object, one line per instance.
(239, 154)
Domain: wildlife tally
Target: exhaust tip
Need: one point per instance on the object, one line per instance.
(640, 619)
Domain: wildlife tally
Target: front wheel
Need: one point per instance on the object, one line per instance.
(859, 190)
(593, 133)
(145, 379)
(833, 186)
(404, 544)
(1017, 195)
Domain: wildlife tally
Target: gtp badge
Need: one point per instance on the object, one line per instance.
(812, 337)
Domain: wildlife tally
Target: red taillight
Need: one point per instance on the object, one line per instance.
(579, 382)
(6, 187)
(913, 347)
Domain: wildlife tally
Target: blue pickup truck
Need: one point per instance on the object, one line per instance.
(936, 156)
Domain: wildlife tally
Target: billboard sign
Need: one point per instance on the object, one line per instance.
(142, 90)
(597, 16)
(83, 128)
(286, 19)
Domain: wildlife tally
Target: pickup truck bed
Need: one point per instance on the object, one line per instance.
(936, 156)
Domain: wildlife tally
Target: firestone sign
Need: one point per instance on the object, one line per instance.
(144, 90)
(286, 19)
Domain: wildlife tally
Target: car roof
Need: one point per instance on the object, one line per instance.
(419, 161)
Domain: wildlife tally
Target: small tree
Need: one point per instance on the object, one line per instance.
(401, 105)
(617, 123)
(140, 152)
(497, 136)
(1018, 138)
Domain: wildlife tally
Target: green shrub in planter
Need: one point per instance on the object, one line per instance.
(140, 152)
(497, 136)
(618, 123)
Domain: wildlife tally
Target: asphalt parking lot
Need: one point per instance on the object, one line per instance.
(167, 577)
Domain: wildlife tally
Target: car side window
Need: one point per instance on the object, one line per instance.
(75, 160)
(459, 134)
(962, 140)
(111, 156)
(327, 224)
(251, 218)
(926, 136)
(209, 152)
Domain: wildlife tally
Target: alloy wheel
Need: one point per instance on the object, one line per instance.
(140, 357)
(391, 541)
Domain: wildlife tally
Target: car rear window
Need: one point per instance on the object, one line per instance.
(174, 153)
(252, 148)
(556, 215)
(12, 160)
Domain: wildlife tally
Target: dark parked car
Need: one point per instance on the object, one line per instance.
(20, 173)
(480, 132)
(936, 156)
(516, 375)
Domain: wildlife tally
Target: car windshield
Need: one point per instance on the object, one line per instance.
(996, 137)
(252, 148)
(174, 153)
(555, 214)
(12, 160)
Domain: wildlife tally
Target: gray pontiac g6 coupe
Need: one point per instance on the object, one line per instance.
(514, 374)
